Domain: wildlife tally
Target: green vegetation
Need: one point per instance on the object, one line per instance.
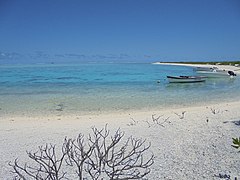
(236, 142)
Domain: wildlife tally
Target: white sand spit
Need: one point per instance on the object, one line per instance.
(222, 67)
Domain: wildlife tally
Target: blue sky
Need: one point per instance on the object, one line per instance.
(40, 31)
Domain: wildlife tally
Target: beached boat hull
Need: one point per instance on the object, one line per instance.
(185, 79)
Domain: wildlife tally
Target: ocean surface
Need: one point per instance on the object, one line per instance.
(101, 88)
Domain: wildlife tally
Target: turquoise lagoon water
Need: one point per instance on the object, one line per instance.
(84, 88)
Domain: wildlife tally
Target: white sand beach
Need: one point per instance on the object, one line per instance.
(194, 146)
(235, 69)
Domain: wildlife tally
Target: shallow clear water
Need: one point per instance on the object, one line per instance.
(47, 89)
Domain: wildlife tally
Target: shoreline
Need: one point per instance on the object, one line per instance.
(116, 112)
(119, 115)
(195, 145)
(225, 67)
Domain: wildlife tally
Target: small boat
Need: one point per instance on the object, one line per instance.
(186, 79)
(217, 73)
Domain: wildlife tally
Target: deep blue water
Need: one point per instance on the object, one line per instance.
(104, 87)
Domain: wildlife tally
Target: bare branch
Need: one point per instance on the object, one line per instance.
(100, 156)
(182, 115)
(133, 122)
(214, 111)
(117, 160)
(77, 153)
(46, 165)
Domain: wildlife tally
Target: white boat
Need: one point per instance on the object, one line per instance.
(217, 73)
(186, 79)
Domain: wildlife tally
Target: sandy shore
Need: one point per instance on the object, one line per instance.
(225, 67)
(197, 146)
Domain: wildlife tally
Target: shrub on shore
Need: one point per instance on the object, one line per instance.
(100, 156)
